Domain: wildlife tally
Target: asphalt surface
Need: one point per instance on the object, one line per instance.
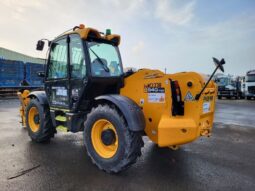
(226, 161)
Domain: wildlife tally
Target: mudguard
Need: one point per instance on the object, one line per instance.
(131, 111)
(41, 96)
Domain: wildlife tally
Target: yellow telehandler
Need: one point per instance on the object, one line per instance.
(86, 90)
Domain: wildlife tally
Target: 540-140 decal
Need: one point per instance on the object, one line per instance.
(156, 93)
(153, 88)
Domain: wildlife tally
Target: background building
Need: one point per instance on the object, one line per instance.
(7, 54)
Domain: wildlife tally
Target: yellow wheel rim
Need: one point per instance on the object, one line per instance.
(34, 123)
(103, 150)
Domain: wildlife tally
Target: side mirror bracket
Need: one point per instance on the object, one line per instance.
(219, 65)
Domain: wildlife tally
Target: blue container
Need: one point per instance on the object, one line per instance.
(11, 73)
(31, 74)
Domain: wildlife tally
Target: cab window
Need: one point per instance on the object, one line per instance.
(58, 60)
(105, 60)
(77, 61)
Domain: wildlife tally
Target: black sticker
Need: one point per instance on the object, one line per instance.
(153, 88)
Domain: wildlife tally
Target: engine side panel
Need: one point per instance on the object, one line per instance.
(151, 90)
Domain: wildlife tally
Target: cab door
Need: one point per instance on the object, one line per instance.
(78, 71)
(57, 75)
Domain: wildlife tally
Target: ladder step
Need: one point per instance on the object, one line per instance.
(62, 128)
(61, 118)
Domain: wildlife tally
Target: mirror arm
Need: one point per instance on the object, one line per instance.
(200, 93)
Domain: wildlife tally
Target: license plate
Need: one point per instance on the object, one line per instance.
(206, 107)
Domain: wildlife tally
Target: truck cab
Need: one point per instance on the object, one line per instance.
(250, 85)
(229, 87)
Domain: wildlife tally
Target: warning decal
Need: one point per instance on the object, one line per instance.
(156, 97)
(188, 97)
(206, 107)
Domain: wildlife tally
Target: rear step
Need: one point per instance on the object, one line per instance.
(61, 123)
(61, 118)
(62, 128)
(67, 121)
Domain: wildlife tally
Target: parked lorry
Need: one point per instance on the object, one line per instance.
(250, 85)
(229, 86)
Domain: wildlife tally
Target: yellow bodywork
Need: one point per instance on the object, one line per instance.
(161, 127)
(24, 100)
(85, 32)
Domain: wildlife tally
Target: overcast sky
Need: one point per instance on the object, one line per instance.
(180, 35)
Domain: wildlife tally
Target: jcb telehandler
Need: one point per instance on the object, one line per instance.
(87, 90)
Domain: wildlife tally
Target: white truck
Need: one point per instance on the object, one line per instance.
(229, 86)
(250, 85)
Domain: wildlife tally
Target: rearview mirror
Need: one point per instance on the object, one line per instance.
(41, 74)
(219, 64)
(40, 45)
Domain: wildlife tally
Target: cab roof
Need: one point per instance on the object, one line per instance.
(86, 32)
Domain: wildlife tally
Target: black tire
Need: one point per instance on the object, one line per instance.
(129, 142)
(219, 97)
(248, 98)
(46, 129)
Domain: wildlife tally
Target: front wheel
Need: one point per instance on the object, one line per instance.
(109, 142)
(38, 121)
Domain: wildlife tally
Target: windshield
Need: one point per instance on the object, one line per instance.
(222, 81)
(250, 78)
(226, 82)
(105, 60)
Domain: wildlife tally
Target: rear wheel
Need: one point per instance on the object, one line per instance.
(39, 124)
(109, 142)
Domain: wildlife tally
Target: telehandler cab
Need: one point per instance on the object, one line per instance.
(87, 90)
